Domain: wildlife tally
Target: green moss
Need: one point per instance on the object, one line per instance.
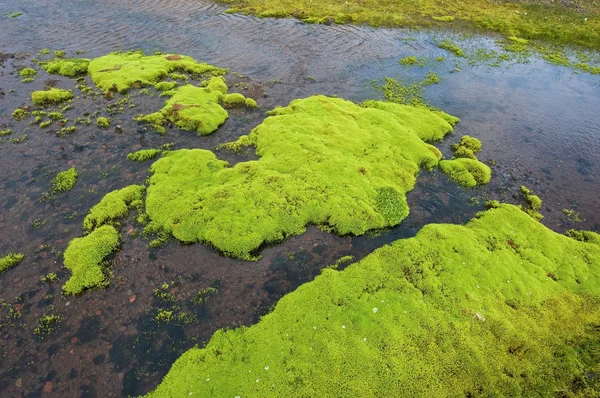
(534, 203)
(143, 155)
(102, 122)
(5, 132)
(70, 67)
(165, 86)
(10, 261)
(178, 76)
(234, 99)
(572, 215)
(250, 103)
(323, 161)
(18, 140)
(466, 172)
(445, 18)
(51, 96)
(453, 48)
(470, 143)
(28, 72)
(499, 307)
(59, 53)
(412, 61)
(47, 324)
(120, 71)
(16, 14)
(65, 180)
(20, 114)
(194, 108)
(113, 206)
(45, 124)
(431, 78)
(55, 115)
(84, 258)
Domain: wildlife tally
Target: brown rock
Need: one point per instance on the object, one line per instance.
(48, 387)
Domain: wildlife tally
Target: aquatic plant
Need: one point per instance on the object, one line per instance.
(51, 277)
(453, 48)
(143, 154)
(203, 294)
(9, 261)
(84, 257)
(113, 206)
(121, 70)
(46, 325)
(5, 132)
(70, 67)
(501, 306)
(445, 18)
(323, 161)
(572, 215)
(194, 108)
(65, 180)
(20, 114)
(412, 61)
(51, 96)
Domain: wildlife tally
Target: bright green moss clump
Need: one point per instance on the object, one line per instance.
(499, 307)
(113, 206)
(51, 96)
(143, 155)
(121, 70)
(70, 67)
(102, 122)
(197, 109)
(10, 261)
(65, 180)
(534, 203)
(28, 72)
(464, 168)
(323, 161)
(165, 86)
(84, 258)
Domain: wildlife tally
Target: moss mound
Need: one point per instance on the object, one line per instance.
(143, 154)
(65, 180)
(28, 72)
(70, 67)
(500, 307)
(323, 161)
(84, 258)
(10, 261)
(51, 96)
(121, 70)
(194, 108)
(113, 206)
(464, 168)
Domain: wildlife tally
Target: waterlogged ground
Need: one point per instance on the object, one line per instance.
(538, 123)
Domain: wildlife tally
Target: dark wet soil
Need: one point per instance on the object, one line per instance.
(539, 125)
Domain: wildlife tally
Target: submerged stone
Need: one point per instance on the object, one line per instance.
(502, 306)
(323, 161)
(121, 70)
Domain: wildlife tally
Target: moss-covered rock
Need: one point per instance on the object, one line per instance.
(84, 258)
(113, 206)
(65, 180)
(10, 261)
(121, 70)
(70, 67)
(51, 96)
(499, 307)
(28, 72)
(194, 108)
(324, 161)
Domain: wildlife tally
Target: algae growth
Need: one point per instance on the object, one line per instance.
(197, 109)
(323, 161)
(120, 71)
(502, 306)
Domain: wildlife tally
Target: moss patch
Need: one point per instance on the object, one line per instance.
(65, 180)
(121, 70)
(500, 307)
(113, 206)
(324, 161)
(84, 258)
(534, 203)
(51, 96)
(143, 155)
(10, 261)
(70, 67)
(28, 72)
(464, 168)
(194, 108)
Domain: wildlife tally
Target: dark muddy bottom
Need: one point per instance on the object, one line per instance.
(539, 126)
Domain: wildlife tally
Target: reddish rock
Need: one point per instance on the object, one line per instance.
(48, 387)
